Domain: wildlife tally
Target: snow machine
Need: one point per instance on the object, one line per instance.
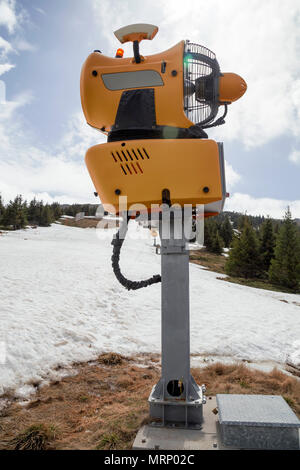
(155, 110)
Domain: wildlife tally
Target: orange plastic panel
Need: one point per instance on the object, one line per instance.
(232, 87)
(100, 105)
(141, 169)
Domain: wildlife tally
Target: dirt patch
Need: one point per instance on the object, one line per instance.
(104, 405)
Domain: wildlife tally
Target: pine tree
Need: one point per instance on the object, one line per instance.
(46, 217)
(242, 220)
(16, 214)
(226, 232)
(217, 244)
(244, 257)
(34, 212)
(267, 244)
(207, 235)
(285, 266)
(210, 229)
(2, 210)
(56, 210)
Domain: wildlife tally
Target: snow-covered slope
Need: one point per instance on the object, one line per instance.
(60, 302)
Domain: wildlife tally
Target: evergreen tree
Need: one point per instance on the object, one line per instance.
(242, 220)
(285, 266)
(46, 216)
(217, 243)
(34, 211)
(244, 257)
(2, 209)
(16, 214)
(56, 210)
(210, 229)
(267, 244)
(226, 232)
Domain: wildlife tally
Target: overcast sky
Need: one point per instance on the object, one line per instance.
(43, 135)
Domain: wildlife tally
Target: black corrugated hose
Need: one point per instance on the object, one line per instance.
(117, 243)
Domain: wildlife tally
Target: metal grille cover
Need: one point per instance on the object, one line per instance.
(201, 83)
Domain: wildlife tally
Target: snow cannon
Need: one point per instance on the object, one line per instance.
(155, 110)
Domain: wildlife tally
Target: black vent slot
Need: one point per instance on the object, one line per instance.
(130, 163)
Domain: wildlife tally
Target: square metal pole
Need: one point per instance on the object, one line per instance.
(176, 399)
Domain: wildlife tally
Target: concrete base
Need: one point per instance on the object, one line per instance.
(171, 438)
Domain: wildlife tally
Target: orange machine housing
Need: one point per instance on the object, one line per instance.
(100, 105)
(191, 169)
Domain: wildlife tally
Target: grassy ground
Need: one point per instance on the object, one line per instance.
(209, 260)
(104, 405)
(89, 223)
(216, 263)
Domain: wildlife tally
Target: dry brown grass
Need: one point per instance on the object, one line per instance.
(111, 359)
(215, 263)
(83, 223)
(90, 223)
(104, 405)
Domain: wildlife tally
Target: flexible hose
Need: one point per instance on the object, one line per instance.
(117, 243)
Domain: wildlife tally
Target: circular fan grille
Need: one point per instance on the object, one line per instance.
(201, 74)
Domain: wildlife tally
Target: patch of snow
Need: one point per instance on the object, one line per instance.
(60, 303)
(294, 354)
(25, 391)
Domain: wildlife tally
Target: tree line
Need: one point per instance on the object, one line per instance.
(260, 248)
(19, 213)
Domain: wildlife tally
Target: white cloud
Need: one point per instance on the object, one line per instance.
(5, 68)
(261, 206)
(8, 15)
(23, 45)
(56, 174)
(79, 136)
(5, 47)
(232, 177)
(294, 157)
(52, 179)
(40, 10)
(2, 92)
(13, 21)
